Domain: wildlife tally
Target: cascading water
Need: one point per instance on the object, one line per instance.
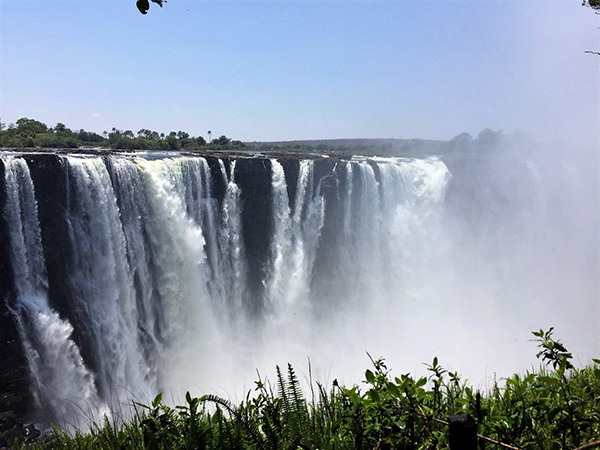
(231, 247)
(62, 386)
(295, 238)
(102, 281)
(165, 290)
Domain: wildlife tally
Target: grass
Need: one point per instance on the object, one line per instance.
(556, 407)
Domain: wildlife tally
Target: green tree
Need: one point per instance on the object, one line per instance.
(223, 141)
(60, 128)
(172, 141)
(30, 127)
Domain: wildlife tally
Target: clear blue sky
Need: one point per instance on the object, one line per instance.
(280, 69)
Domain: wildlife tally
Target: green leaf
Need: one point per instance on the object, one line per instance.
(393, 389)
(157, 400)
(370, 376)
(374, 395)
(548, 380)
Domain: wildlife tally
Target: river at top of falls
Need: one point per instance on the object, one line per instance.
(398, 257)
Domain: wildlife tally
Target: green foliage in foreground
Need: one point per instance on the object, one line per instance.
(555, 408)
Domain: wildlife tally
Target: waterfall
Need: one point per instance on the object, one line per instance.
(295, 237)
(281, 243)
(164, 289)
(102, 281)
(387, 222)
(231, 245)
(61, 384)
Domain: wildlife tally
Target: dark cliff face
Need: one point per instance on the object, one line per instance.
(49, 176)
(291, 169)
(218, 185)
(253, 176)
(15, 399)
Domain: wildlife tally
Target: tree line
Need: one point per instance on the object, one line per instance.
(30, 133)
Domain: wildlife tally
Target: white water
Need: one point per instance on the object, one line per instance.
(231, 246)
(102, 281)
(295, 240)
(63, 387)
(391, 265)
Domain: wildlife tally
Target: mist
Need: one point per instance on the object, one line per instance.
(498, 238)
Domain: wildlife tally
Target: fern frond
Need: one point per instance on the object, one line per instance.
(250, 427)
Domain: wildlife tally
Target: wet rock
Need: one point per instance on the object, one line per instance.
(253, 176)
(7, 421)
(12, 431)
(8, 437)
(30, 433)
